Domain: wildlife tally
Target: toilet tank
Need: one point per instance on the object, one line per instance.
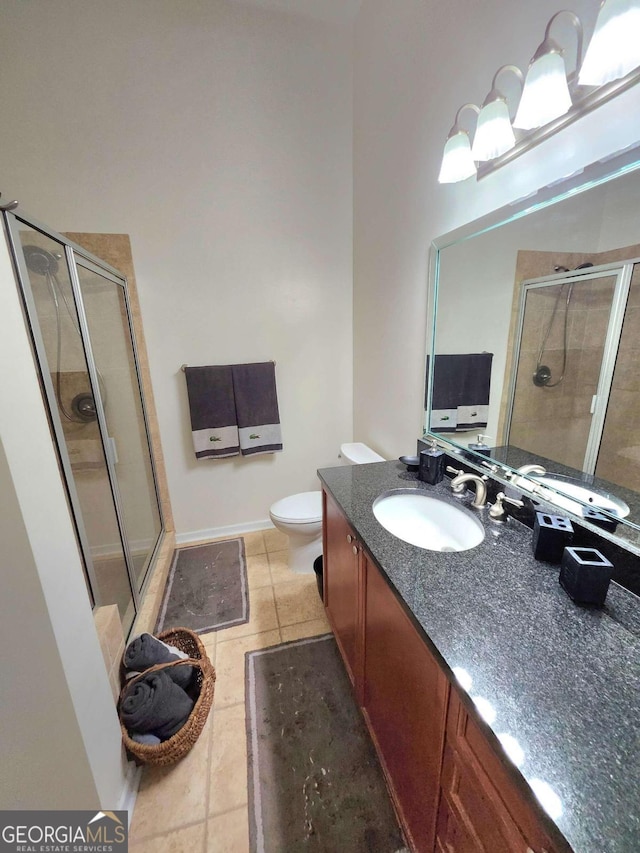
(357, 453)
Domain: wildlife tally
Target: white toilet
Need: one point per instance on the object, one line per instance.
(300, 516)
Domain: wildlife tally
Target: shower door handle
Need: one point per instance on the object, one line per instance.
(594, 403)
(112, 450)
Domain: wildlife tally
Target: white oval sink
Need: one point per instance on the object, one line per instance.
(568, 488)
(428, 522)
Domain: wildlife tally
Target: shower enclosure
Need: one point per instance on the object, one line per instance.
(570, 398)
(78, 313)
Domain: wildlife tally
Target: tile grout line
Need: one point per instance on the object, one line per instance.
(273, 596)
(207, 798)
(145, 838)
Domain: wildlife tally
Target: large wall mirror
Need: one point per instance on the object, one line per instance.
(536, 342)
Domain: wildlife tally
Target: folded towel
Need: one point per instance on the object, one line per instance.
(155, 705)
(254, 386)
(146, 650)
(214, 426)
(461, 388)
(148, 740)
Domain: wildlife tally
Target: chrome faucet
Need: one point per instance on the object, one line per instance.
(531, 469)
(459, 482)
(518, 478)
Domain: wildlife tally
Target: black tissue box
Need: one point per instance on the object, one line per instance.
(585, 574)
(597, 518)
(551, 534)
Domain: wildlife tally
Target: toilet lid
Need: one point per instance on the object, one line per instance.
(306, 506)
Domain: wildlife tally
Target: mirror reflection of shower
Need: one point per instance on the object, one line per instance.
(44, 263)
(542, 375)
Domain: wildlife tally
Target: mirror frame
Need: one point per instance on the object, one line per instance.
(594, 175)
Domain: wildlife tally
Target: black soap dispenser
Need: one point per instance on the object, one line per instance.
(480, 446)
(432, 464)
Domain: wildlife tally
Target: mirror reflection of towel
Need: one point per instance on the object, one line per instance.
(461, 388)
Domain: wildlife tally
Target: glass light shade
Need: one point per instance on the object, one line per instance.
(614, 49)
(494, 134)
(457, 162)
(546, 93)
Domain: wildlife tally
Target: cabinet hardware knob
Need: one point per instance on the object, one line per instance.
(349, 538)
(355, 549)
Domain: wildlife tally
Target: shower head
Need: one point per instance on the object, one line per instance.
(40, 261)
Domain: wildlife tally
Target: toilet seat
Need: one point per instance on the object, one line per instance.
(298, 509)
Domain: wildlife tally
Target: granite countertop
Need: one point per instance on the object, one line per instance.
(562, 680)
(629, 531)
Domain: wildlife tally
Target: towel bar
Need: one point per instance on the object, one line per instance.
(183, 367)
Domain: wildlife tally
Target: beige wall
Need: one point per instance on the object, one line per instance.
(415, 63)
(219, 137)
(41, 740)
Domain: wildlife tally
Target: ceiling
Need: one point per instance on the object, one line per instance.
(330, 11)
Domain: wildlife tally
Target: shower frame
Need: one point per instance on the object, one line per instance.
(622, 272)
(76, 254)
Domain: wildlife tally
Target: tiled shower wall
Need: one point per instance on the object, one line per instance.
(554, 421)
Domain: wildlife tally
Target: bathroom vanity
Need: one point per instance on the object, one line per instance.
(481, 682)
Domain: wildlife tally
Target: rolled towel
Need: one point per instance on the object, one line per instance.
(182, 675)
(146, 650)
(147, 740)
(156, 705)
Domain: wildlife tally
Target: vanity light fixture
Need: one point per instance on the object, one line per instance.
(614, 49)
(457, 160)
(494, 134)
(550, 99)
(546, 95)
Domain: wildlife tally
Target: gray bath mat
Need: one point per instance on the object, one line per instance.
(207, 588)
(314, 779)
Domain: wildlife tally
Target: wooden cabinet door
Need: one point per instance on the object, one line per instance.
(451, 834)
(491, 814)
(342, 586)
(405, 702)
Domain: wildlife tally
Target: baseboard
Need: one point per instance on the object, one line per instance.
(227, 530)
(130, 792)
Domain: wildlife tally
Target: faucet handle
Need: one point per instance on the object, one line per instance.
(508, 500)
(455, 471)
(497, 510)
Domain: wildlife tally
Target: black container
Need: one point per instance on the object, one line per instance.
(585, 574)
(597, 518)
(432, 466)
(318, 569)
(551, 535)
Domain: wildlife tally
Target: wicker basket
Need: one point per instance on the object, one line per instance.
(177, 746)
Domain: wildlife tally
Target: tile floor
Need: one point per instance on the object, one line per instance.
(200, 804)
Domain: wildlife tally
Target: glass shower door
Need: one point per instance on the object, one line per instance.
(57, 337)
(105, 309)
(569, 334)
